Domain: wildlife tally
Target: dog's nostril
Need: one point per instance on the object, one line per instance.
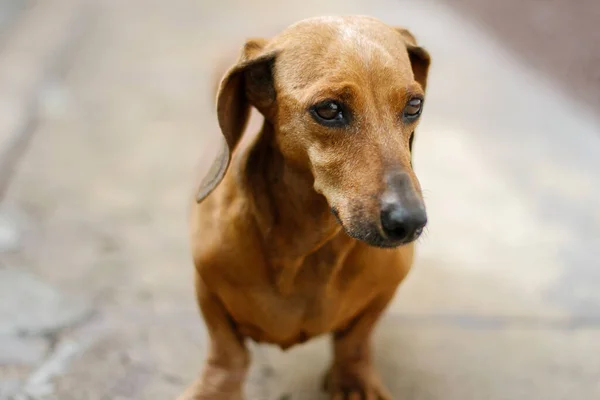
(392, 222)
(402, 224)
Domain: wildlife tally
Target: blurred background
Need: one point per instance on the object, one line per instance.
(106, 121)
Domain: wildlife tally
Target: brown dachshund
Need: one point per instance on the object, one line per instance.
(308, 228)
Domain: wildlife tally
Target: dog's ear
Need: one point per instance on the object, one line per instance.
(248, 83)
(419, 57)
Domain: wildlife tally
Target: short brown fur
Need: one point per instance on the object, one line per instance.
(273, 262)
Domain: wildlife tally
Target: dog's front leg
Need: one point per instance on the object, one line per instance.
(227, 362)
(352, 375)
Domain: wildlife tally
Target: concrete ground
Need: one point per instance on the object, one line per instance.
(556, 37)
(106, 116)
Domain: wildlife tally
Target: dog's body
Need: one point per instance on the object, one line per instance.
(288, 233)
(325, 283)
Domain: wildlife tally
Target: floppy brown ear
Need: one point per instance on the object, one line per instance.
(246, 84)
(419, 57)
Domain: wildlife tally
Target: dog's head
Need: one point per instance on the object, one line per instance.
(344, 96)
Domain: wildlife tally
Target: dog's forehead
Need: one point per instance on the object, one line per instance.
(328, 45)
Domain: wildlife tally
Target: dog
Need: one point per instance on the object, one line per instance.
(309, 227)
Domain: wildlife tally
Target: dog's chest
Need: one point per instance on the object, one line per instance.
(291, 319)
(317, 303)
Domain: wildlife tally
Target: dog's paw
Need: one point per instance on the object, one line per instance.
(216, 384)
(199, 391)
(355, 383)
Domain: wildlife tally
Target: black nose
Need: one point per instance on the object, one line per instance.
(401, 223)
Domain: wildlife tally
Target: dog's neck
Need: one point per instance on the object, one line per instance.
(294, 220)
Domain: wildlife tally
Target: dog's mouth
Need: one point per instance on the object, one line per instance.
(373, 235)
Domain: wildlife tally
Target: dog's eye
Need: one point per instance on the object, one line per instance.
(328, 110)
(413, 108)
(329, 113)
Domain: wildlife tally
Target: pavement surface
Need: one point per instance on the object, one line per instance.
(110, 123)
(559, 38)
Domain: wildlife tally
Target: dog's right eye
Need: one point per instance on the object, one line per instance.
(328, 110)
(329, 113)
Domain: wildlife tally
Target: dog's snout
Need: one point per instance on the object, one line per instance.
(403, 214)
(401, 223)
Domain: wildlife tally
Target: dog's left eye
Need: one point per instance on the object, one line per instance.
(329, 113)
(413, 108)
